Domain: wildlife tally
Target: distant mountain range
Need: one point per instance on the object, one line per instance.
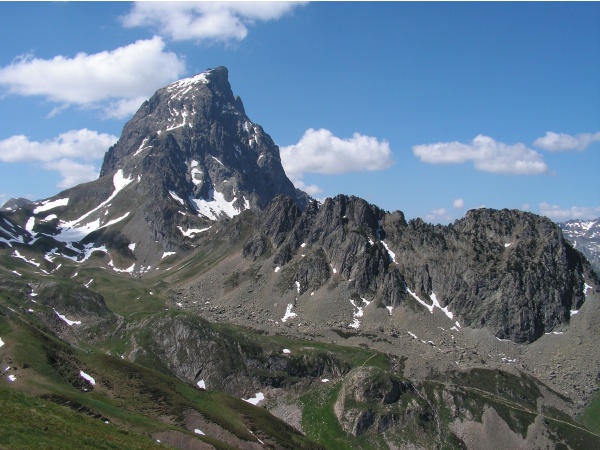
(192, 274)
(585, 237)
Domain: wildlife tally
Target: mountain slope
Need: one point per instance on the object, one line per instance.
(192, 274)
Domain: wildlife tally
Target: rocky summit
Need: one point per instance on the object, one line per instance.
(188, 157)
(192, 297)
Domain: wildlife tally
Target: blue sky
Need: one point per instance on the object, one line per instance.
(429, 108)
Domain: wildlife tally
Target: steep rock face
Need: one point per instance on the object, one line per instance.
(509, 271)
(194, 137)
(585, 237)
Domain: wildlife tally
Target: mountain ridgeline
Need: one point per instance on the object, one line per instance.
(193, 260)
(509, 271)
(190, 157)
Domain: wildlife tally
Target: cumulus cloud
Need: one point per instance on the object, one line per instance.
(81, 144)
(560, 214)
(72, 172)
(486, 154)
(211, 21)
(319, 151)
(70, 153)
(561, 142)
(458, 203)
(310, 189)
(116, 81)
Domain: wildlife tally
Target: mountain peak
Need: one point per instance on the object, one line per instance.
(198, 154)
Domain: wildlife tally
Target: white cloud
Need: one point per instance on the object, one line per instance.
(439, 215)
(487, 155)
(212, 21)
(458, 203)
(82, 144)
(310, 189)
(72, 172)
(319, 151)
(561, 142)
(64, 153)
(559, 214)
(115, 81)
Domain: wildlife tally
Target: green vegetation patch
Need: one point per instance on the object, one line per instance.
(318, 418)
(591, 415)
(28, 422)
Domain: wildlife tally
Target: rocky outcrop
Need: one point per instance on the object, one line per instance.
(374, 400)
(194, 350)
(507, 270)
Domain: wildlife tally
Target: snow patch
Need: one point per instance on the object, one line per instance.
(48, 205)
(192, 231)
(87, 377)
(16, 254)
(390, 309)
(277, 269)
(391, 253)
(11, 378)
(75, 230)
(142, 147)
(196, 173)
(176, 197)
(288, 313)
(358, 313)
(256, 399)
(201, 384)
(198, 431)
(574, 311)
(67, 321)
(216, 205)
(298, 286)
(130, 269)
(434, 304)
(286, 351)
(437, 304)
(218, 160)
(1, 342)
(29, 225)
(166, 254)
